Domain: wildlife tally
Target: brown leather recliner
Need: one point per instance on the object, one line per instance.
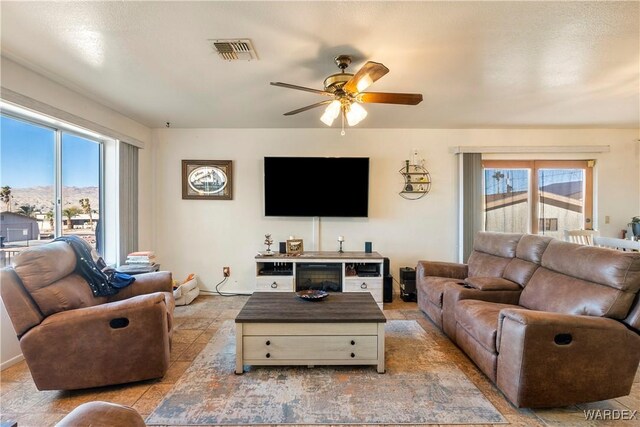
(73, 340)
(102, 414)
(558, 325)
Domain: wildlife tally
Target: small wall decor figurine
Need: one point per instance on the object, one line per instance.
(268, 241)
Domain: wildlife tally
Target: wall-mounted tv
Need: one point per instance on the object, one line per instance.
(316, 186)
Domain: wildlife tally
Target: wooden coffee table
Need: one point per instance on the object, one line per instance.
(282, 329)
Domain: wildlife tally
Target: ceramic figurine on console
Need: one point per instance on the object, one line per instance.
(268, 241)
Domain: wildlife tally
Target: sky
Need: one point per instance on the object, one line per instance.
(27, 156)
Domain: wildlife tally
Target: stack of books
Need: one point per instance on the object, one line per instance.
(139, 262)
(141, 259)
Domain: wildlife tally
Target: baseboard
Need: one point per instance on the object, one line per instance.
(11, 362)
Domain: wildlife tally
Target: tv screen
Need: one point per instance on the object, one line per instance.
(316, 186)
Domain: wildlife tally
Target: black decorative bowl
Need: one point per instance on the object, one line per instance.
(312, 295)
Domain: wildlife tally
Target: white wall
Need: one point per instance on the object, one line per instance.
(29, 83)
(10, 352)
(193, 236)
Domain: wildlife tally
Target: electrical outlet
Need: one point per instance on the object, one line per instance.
(226, 271)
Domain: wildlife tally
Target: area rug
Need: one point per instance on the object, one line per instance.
(419, 387)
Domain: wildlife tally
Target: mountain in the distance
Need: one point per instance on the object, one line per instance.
(43, 197)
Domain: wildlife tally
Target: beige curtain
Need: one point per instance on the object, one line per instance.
(128, 185)
(472, 205)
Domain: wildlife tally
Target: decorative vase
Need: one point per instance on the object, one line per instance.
(635, 226)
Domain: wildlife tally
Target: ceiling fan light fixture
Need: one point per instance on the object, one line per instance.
(331, 112)
(355, 114)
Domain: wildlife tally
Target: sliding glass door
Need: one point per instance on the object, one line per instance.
(540, 197)
(50, 183)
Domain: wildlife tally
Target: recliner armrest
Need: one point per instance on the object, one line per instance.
(441, 269)
(107, 310)
(547, 318)
(146, 283)
(556, 359)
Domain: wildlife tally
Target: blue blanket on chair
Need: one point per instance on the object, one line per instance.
(101, 283)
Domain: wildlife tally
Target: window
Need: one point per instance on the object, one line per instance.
(51, 183)
(541, 197)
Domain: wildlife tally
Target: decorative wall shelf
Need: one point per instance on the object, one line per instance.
(417, 181)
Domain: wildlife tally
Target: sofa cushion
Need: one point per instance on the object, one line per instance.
(584, 280)
(491, 284)
(486, 265)
(616, 269)
(528, 255)
(498, 244)
(480, 320)
(43, 265)
(551, 291)
(68, 293)
(434, 288)
(531, 247)
(520, 271)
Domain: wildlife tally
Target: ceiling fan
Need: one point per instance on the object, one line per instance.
(346, 93)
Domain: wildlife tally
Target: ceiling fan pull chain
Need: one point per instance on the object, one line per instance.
(342, 133)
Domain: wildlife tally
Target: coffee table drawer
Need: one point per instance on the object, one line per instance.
(363, 284)
(310, 348)
(275, 283)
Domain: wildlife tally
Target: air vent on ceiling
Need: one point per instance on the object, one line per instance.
(234, 50)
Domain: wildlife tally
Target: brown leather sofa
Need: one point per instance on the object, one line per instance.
(71, 339)
(551, 323)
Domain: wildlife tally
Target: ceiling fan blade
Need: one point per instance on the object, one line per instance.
(308, 107)
(306, 89)
(369, 73)
(390, 98)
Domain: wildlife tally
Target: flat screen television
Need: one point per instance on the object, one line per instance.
(316, 186)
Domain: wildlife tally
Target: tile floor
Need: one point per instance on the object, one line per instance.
(197, 323)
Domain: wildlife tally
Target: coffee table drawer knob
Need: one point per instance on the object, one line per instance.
(274, 285)
(363, 286)
(268, 342)
(353, 355)
(353, 342)
(268, 355)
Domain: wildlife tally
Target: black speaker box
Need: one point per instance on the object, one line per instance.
(387, 271)
(387, 291)
(408, 284)
(407, 273)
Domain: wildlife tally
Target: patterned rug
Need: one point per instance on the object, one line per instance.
(419, 387)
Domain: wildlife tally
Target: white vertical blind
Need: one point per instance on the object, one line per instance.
(471, 204)
(128, 186)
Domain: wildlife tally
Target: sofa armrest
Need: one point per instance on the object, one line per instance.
(146, 283)
(89, 347)
(556, 359)
(492, 284)
(441, 269)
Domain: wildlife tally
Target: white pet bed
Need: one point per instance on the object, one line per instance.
(187, 292)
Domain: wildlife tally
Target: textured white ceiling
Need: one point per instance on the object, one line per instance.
(478, 64)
